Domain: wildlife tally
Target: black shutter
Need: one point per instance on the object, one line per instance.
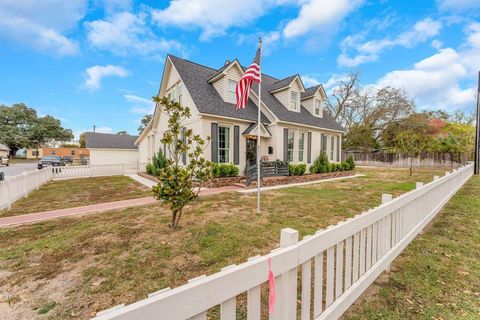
(285, 144)
(184, 140)
(214, 142)
(236, 144)
(338, 148)
(309, 147)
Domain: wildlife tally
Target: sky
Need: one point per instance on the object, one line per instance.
(92, 62)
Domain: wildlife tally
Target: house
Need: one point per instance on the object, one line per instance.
(79, 154)
(4, 151)
(294, 126)
(106, 148)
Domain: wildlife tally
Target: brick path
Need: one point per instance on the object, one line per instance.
(95, 208)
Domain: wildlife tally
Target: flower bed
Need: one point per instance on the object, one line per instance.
(274, 181)
(213, 183)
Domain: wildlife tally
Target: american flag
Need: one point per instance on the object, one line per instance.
(252, 74)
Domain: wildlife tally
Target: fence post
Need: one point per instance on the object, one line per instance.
(387, 228)
(286, 306)
(25, 191)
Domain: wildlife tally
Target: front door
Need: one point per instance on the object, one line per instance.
(251, 151)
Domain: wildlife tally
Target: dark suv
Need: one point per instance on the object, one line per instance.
(54, 161)
(67, 159)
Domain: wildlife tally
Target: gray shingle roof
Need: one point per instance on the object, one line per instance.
(207, 99)
(110, 141)
(281, 83)
(310, 92)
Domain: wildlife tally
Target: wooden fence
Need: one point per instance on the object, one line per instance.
(336, 265)
(381, 159)
(15, 187)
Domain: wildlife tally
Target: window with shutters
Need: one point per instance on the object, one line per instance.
(223, 144)
(323, 142)
(301, 146)
(290, 145)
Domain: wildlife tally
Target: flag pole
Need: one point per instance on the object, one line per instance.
(258, 129)
(477, 130)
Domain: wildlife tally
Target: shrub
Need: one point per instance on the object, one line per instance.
(158, 163)
(345, 166)
(351, 163)
(320, 165)
(297, 169)
(224, 170)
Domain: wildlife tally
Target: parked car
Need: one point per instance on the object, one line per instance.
(67, 159)
(4, 161)
(54, 161)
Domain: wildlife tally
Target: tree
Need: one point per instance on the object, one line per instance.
(122, 133)
(46, 129)
(15, 122)
(144, 122)
(82, 140)
(341, 104)
(175, 187)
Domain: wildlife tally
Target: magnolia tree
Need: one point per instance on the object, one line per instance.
(176, 179)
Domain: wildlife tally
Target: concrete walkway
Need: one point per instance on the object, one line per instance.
(282, 186)
(146, 182)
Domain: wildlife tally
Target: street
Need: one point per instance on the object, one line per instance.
(18, 168)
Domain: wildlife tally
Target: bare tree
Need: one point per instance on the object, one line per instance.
(342, 104)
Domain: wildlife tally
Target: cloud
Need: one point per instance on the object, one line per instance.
(370, 50)
(142, 105)
(319, 15)
(42, 25)
(127, 33)
(96, 73)
(458, 5)
(213, 17)
(309, 81)
(445, 79)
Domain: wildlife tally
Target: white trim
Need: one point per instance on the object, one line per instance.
(225, 118)
(230, 142)
(308, 126)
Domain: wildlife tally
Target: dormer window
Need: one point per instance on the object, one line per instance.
(318, 107)
(294, 100)
(232, 84)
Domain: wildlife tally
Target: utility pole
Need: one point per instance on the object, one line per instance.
(477, 129)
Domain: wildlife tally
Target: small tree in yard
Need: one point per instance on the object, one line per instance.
(175, 187)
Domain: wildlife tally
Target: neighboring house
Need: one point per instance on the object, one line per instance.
(4, 151)
(75, 153)
(294, 126)
(108, 148)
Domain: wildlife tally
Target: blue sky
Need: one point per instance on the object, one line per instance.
(99, 62)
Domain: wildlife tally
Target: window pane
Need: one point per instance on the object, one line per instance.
(301, 141)
(317, 107)
(290, 143)
(223, 144)
(332, 146)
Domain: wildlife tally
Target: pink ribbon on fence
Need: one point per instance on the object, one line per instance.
(271, 288)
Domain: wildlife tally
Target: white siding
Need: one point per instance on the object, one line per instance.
(113, 156)
(284, 97)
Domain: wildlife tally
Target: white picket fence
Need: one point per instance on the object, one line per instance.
(336, 265)
(15, 187)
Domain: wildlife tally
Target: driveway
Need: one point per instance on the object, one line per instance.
(18, 168)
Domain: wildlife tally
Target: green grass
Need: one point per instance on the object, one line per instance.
(438, 275)
(102, 260)
(71, 193)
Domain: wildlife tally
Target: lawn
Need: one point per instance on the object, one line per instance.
(438, 275)
(72, 268)
(78, 192)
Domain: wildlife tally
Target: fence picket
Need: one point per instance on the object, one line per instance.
(228, 309)
(406, 216)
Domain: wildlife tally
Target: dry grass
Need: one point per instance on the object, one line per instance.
(75, 267)
(78, 192)
(438, 275)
